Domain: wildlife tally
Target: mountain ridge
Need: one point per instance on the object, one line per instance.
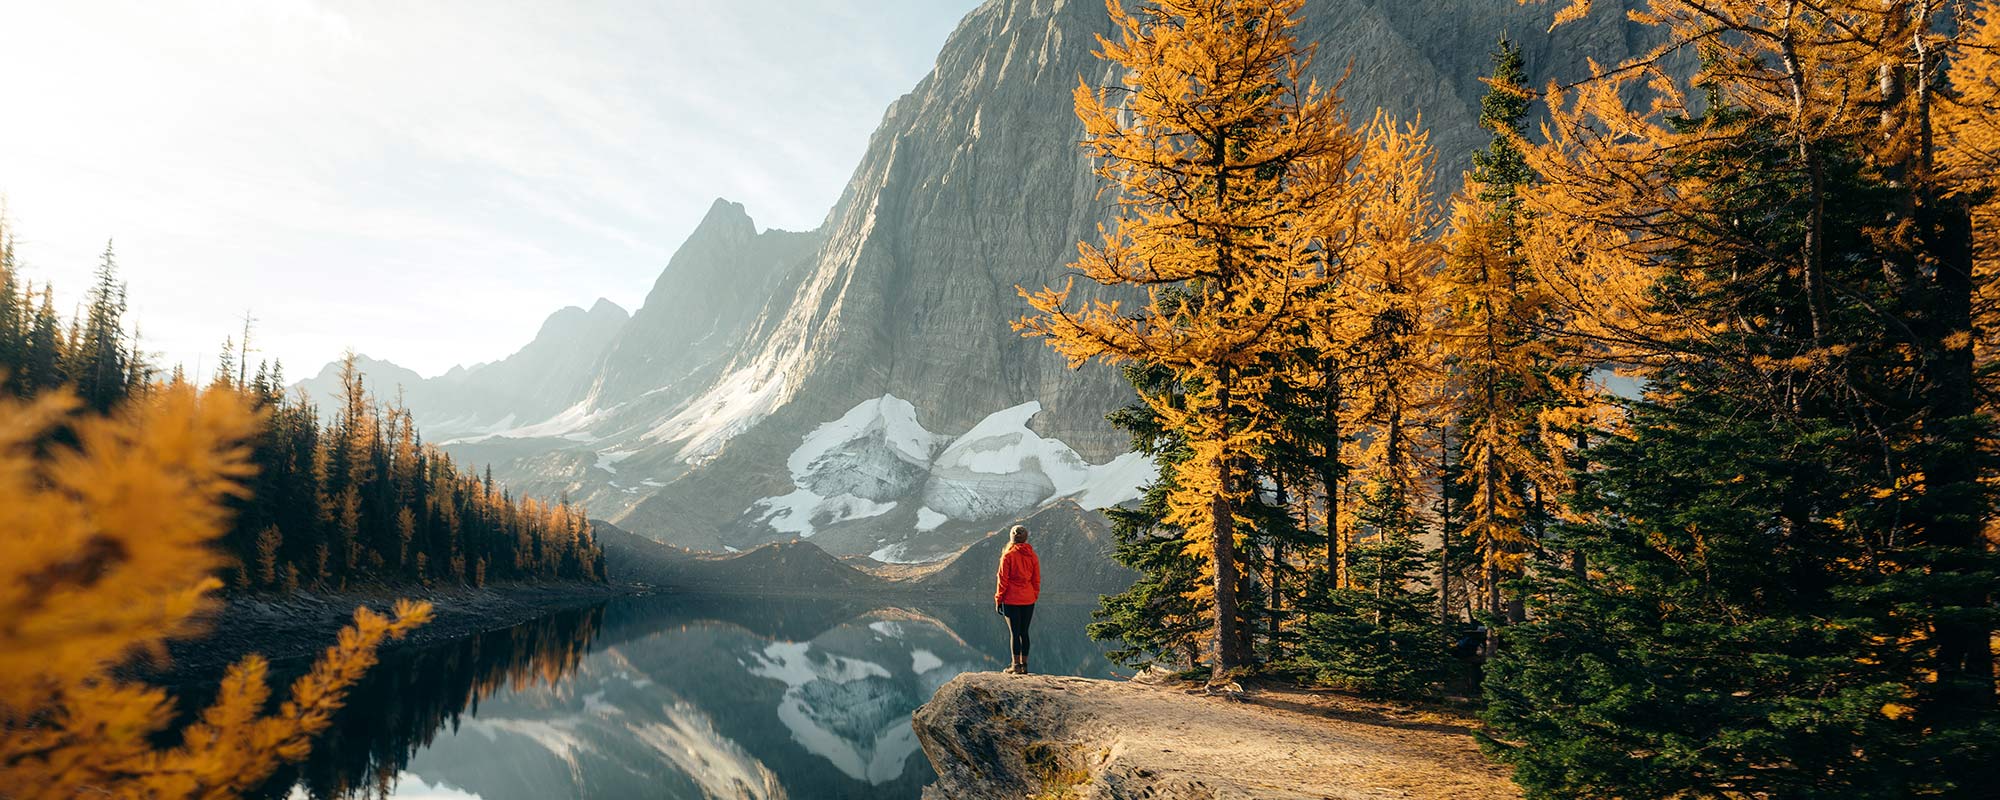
(971, 185)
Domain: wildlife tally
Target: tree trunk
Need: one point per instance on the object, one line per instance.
(1953, 510)
(1492, 608)
(1444, 525)
(1229, 655)
(1330, 474)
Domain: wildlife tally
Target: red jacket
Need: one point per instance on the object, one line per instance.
(1020, 576)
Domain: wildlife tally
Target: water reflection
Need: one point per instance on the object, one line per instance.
(672, 697)
(416, 694)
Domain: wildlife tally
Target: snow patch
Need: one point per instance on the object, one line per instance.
(569, 423)
(802, 511)
(891, 554)
(877, 455)
(1124, 479)
(928, 520)
(608, 459)
(889, 419)
(852, 468)
(886, 628)
(922, 661)
(740, 400)
(1002, 467)
(792, 664)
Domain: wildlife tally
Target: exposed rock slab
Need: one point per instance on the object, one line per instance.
(994, 736)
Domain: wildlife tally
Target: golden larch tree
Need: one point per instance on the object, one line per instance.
(1214, 145)
(109, 553)
(1896, 94)
(1386, 307)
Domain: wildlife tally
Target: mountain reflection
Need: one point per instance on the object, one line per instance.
(415, 694)
(679, 696)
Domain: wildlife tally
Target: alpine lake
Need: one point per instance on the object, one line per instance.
(671, 696)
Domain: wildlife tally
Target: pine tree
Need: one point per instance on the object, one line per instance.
(1161, 619)
(15, 315)
(1517, 395)
(1789, 592)
(1381, 634)
(46, 354)
(100, 353)
(1217, 151)
(225, 364)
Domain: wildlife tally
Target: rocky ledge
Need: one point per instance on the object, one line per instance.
(1007, 737)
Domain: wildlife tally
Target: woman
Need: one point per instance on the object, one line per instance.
(1020, 583)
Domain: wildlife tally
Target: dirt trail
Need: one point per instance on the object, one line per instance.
(1004, 736)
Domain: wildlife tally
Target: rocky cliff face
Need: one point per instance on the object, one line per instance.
(699, 310)
(973, 185)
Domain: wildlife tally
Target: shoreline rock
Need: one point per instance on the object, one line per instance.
(992, 736)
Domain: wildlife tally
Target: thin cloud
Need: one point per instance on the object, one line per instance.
(423, 181)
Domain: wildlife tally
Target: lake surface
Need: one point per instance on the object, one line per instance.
(672, 696)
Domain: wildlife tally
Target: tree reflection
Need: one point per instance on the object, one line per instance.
(415, 692)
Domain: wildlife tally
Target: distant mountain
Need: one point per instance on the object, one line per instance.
(551, 373)
(859, 385)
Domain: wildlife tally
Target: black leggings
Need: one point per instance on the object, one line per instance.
(1018, 618)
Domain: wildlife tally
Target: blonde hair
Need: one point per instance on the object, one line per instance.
(1018, 534)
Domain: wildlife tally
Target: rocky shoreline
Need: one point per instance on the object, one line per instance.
(1003, 737)
(299, 625)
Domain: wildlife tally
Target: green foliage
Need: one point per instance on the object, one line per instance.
(1502, 168)
(356, 499)
(1759, 616)
(1733, 642)
(1381, 635)
(1155, 621)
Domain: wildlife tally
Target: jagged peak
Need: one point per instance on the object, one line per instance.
(570, 319)
(725, 215)
(604, 306)
(365, 363)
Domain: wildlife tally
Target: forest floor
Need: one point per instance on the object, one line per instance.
(992, 735)
(298, 625)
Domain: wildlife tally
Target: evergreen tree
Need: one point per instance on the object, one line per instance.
(100, 353)
(1381, 634)
(1218, 151)
(1160, 619)
(46, 354)
(1517, 395)
(1787, 593)
(15, 315)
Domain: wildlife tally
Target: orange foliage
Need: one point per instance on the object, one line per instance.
(107, 555)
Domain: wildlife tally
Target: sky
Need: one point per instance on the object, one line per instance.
(423, 182)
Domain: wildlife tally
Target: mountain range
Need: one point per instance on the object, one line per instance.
(859, 385)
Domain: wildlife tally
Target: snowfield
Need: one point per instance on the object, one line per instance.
(877, 456)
